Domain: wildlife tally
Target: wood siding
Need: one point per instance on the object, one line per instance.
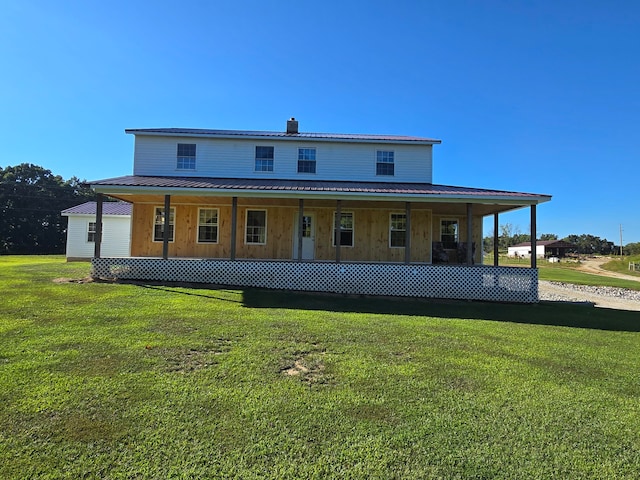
(235, 158)
(371, 232)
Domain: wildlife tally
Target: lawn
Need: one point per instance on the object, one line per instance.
(101, 380)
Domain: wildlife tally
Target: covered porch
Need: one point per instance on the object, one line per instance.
(340, 237)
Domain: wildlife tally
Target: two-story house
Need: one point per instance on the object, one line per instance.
(307, 211)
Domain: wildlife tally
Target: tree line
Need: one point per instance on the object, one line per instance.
(586, 244)
(31, 199)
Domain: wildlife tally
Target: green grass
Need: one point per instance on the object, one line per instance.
(102, 380)
(621, 265)
(566, 271)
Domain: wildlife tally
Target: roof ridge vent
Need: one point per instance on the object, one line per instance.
(292, 126)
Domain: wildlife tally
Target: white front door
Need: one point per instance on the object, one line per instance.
(308, 238)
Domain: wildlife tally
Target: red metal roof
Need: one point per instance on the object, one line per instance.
(253, 184)
(108, 208)
(257, 133)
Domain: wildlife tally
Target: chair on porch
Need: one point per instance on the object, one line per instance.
(439, 255)
(462, 252)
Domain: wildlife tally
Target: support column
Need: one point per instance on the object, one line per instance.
(165, 226)
(98, 235)
(338, 223)
(407, 240)
(469, 234)
(234, 226)
(300, 227)
(534, 234)
(496, 239)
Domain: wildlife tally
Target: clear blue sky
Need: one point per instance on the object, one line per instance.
(539, 97)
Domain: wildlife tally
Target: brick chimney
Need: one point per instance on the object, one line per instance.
(292, 126)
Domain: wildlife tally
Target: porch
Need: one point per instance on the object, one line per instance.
(470, 282)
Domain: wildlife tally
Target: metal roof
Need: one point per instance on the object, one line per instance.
(108, 208)
(270, 187)
(198, 132)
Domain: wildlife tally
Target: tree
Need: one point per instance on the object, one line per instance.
(591, 245)
(632, 249)
(548, 236)
(31, 199)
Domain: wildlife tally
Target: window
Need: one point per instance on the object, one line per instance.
(158, 227)
(256, 230)
(264, 159)
(398, 230)
(186, 156)
(384, 162)
(208, 225)
(449, 233)
(346, 229)
(91, 232)
(306, 160)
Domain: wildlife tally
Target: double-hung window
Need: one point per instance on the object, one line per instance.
(384, 162)
(91, 232)
(346, 229)
(158, 225)
(398, 230)
(449, 230)
(208, 225)
(264, 159)
(186, 159)
(256, 227)
(306, 160)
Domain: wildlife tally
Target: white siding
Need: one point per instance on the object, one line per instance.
(526, 251)
(235, 158)
(116, 236)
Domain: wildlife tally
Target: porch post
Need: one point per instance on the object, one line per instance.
(234, 226)
(98, 235)
(300, 229)
(338, 223)
(534, 259)
(165, 226)
(469, 234)
(407, 240)
(496, 238)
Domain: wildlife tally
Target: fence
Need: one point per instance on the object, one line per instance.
(634, 267)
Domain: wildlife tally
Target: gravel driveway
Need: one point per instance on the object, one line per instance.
(604, 297)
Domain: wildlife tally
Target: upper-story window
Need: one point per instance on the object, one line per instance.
(306, 160)
(384, 162)
(264, 159)
(186, 156)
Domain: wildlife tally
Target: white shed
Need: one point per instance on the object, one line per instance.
(81, 230)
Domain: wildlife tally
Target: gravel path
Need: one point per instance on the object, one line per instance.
(604, 297)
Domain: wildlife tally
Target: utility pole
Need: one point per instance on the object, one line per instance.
(620, 241)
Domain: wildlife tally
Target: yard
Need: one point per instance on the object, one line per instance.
(102, 380)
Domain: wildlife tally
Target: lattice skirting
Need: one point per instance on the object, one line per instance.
(476, 282)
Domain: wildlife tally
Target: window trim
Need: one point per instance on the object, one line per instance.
(450, 219)
(386, 163)
(191, 158)
(315, 161)
(246, 226)
(391, 214)
(353, 229)
(173, 231)
(255, 159)
(217, 225)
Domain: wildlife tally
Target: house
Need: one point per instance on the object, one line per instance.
(544, 249)
(81, 230)
(347, 213)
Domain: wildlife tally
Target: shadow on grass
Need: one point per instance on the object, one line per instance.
(577, 315)
(560, 314)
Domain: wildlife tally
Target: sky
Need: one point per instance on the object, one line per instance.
(537, 96)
